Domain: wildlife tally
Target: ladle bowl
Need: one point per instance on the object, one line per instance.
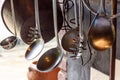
(49, 60)
(9, 42)
(101, 34)
(37, 46)
(70, 40)
(34, 49)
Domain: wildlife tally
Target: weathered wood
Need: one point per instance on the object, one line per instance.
(113, 54)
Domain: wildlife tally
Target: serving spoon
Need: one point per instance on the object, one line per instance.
(70, 41)
(37, 46)
(11, 41)
(101, 34)
(51, 58)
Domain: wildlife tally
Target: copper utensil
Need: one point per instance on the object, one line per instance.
(101, 34)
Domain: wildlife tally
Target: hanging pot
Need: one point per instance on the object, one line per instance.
(25, 18)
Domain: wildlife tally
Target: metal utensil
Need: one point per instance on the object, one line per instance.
(37, 46)
(101, 34)
(51, 58)
(10, 42)
(70, 41)
(25, 18)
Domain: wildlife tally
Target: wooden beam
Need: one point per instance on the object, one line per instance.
(113, 52)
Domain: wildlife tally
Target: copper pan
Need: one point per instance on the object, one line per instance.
(25, 18)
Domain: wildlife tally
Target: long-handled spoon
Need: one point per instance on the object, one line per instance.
(82, 37)
(70, 39)
(101, 34)
(37, 46)
(10, 42)
(51, 58)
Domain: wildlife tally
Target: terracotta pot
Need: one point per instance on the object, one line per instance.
(34, 74)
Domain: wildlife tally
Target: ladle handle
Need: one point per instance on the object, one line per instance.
(75, 13)
(13, 16)
(37, 21)
(86, 4)
(102, 7)
(55, 21)
(80, 19)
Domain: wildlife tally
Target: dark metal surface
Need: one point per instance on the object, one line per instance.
(24, 13)
(70, 40)
(9, 42)
(101, 34)
(49, 60)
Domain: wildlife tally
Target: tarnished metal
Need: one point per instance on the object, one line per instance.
(24, 11)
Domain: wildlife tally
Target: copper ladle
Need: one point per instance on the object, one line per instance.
(51, 58)
(10, 42)
(37, 46)
(101, 34)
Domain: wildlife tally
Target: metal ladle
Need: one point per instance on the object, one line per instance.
(101, 34)
(37, 46)
(82, 36)
(51, 58)
(70, 41)
(10, 42)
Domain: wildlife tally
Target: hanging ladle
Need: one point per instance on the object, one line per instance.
(10, 42)
(70, 41)
(82, 37)
(101, 33)
(37, 46)
(51, 58)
